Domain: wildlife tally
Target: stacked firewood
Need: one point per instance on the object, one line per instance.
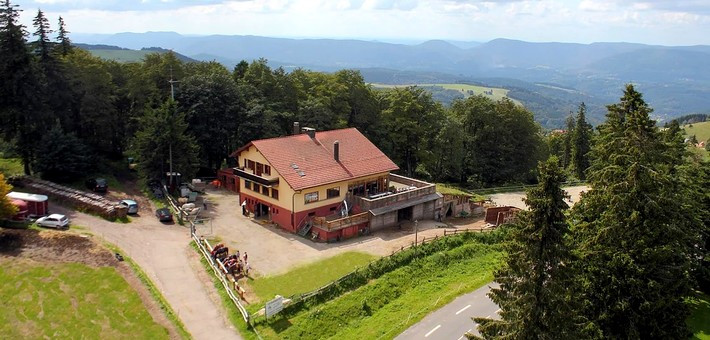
(77, 199)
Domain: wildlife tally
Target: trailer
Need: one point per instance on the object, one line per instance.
(37, 205)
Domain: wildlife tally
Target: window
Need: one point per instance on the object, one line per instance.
(257, 187)
(267, 170)
(274, 194)
(311, 197)
(265, 191)
(333, 192)
(259, 169)
(247, 184)
(250, 165)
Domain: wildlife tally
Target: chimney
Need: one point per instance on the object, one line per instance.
(311, 132)
(336, 151)
(296, 128)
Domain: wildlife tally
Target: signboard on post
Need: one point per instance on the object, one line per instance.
(274, 306)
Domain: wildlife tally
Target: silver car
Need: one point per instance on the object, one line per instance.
(58, 221)
(131, 204)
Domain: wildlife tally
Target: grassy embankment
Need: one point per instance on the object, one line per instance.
(699, 321)
(391, 294)
(308, 277)
(71, 300)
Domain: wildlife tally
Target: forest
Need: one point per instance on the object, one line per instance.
(65, 111)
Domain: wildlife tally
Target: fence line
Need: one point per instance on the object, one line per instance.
(218, 271)
(308, 295)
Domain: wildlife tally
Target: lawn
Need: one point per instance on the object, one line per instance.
(699, 321)
(70, 301)
(11, 166)
(310, 276)
(452, 189)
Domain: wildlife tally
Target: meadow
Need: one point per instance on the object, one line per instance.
(70, 301)
(466, 90)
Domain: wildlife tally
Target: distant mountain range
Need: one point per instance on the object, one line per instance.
(550, 78)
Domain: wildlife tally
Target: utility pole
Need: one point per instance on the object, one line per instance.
(170, 147)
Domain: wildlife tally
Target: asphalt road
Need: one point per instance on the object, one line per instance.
(452, 321)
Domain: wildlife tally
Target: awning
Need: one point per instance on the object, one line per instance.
(27, 197)
(405, 204)
(254, 178)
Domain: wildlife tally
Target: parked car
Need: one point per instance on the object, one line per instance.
(58, 221)
(164, 215)
(131, 204)
(97, 184)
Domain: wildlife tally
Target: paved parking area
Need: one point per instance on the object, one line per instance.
(272, 250)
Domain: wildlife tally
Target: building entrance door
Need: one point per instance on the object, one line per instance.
(405, 214)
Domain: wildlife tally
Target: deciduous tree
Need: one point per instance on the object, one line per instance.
(7, 209)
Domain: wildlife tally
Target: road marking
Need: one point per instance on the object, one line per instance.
(432, 331)
(463, 309)
(461, 337)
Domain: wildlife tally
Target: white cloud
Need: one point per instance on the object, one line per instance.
(533, 20)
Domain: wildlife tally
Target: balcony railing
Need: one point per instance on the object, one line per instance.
(335, 222)
(267, 181)
(415, 189)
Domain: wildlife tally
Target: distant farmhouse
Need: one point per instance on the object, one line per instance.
(327, 185)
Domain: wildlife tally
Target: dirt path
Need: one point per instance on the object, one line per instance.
(515, 199)
(163, 252)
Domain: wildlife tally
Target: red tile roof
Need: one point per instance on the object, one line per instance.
(314, 157)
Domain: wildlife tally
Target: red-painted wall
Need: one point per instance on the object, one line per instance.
(282, 217)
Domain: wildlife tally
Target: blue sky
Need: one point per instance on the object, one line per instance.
(664, 22)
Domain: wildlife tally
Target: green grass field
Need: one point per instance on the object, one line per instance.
(309, 277)
(700, 130)
(699, 321)
(11, 166)
(498, 93)
(124, 56)
(385, 306)
(702, 133)
(71, 301)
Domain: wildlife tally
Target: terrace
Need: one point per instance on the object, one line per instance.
(398, 190)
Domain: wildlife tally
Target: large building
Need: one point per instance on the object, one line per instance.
(328, 185)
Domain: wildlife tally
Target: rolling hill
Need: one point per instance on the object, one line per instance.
(549, 78)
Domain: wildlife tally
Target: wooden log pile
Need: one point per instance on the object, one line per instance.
(80, 200)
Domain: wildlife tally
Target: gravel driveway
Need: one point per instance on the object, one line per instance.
(164, 254)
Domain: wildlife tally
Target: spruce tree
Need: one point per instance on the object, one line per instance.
(581, 143)
(567, 145)
(63, 38)
(533, 296)
(43, 44)
(18, 86)
(635, 229)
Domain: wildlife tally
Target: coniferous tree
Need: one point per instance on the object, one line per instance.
(160, 130)
(18, 86)
(567, 145)
(581, 143)
(63, 38)
(43, 44)
(533, 296)
(635, 229)
(62, 156)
